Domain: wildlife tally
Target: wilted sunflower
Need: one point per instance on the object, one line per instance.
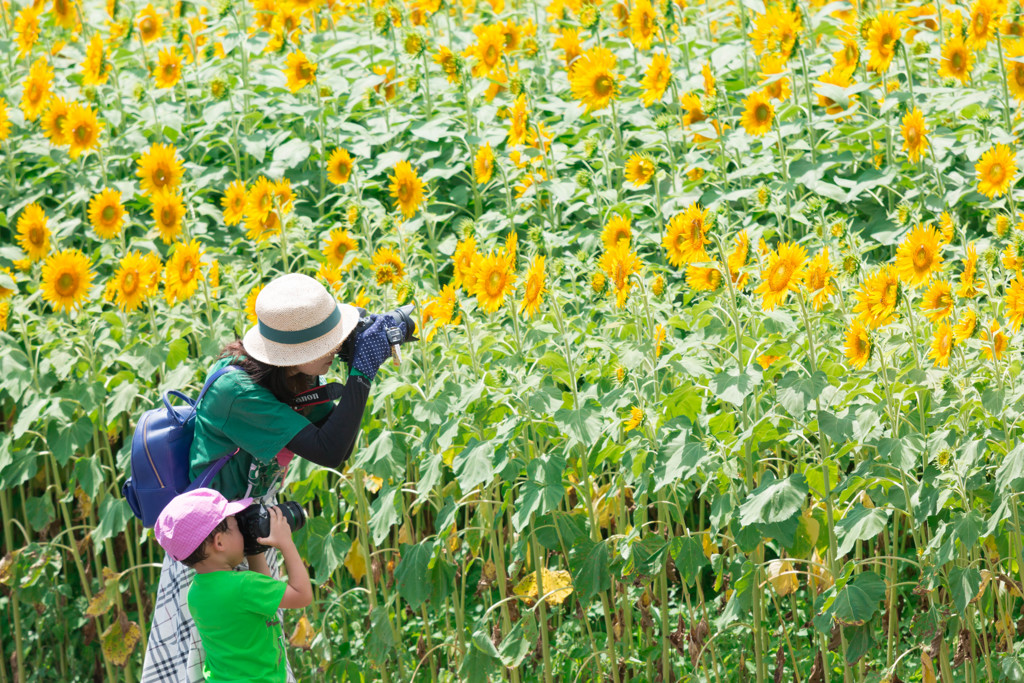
(53, 121)
(639, 169)
(885, 33)
(183, 272)
(95, 68)
(858, 344)
(149, 23)
(35, 91)
(106, 213)
(130, 282)
(942, 345)
(937, 301)
(339, 166)
(168, 68)
(593, 80)
(67, 277)
(494, 279)
(483, 164)
(617, 229)
(704, 279)
(996, 170)
(465, 258)
(642, 24)
(965, 329)
(820, 279)
(783, 273)
(685, 237)
(758, 113)
(233, 203)
(656, 79)
(619, 263)
(339, 245)
(915, 132)
(969, 286)
(299, 70)
(388, 267)
(81, 129)
(406, 188)
(33, 233)
(878, 297)
(534, 288)
(957, 60)
(159, 169)
(919, 255)
(168, 212)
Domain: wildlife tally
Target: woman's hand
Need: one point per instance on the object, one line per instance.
(372, 347)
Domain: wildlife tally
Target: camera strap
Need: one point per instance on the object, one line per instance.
(317, 395)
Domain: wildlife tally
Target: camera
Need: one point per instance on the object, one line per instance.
(254, 522)
(402, 314)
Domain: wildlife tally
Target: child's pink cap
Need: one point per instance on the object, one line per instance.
(190, 517)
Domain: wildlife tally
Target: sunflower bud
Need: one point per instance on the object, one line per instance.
(851, 264)
(352, 214)
(589, 17)
(664, 121)
(89, 93)
(403, 293)
(814, 204)
(837, 228)
(530, 47)
(582, 255)
(583, 179)
(920, 48)
(139, 91)
(325, 91)
(989, 257)
(387, 223)
(223, 7)
(903, 210)
(1001, 225)
(589, 147)
(945, 456)
(658, 286)
(598, 281)
(502, 373)
(414, 43)
(984, 115)
(557, 267)
(465, 227)
(218, 88)
(620, 374)
(382, 22)
(413, 82)
(764, 196)
(516, 86)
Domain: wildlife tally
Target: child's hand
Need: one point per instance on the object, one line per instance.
(280, 531)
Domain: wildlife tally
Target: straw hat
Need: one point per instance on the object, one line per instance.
(299, 322)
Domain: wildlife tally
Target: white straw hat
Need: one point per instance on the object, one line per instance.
(298, 322)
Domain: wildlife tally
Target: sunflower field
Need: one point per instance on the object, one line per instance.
(720, 311)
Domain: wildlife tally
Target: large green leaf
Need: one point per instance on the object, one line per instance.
(964, 584)
(688, 554)
(411, 573)
(474, 466)
(859, 524)
(858, 600)
(677, 461)
(65, 440)
(383, 514)
(797, 389)
(589, 563)
(542, 491)
(774, 500)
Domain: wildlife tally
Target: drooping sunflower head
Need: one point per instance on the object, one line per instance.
(67, 277)
(233, 203)
(339, 166)
(635, 419)
(106, 213)
(33, 233)
(95, 68)
(758, 113)
(639, 169)
(858, 344)
(617, 229)
(406, 188)
(656, 79)
(783, 273)
(996, 170)
(919, 255)
(966, 327)
(159, 169)
(704, 279)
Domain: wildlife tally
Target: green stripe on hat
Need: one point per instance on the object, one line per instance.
(300, 336)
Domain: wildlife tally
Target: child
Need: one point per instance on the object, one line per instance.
(235, 611)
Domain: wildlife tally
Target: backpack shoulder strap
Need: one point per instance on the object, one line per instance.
(213, 378)
(204, 479)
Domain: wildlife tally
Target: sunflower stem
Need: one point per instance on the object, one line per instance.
(323, 148)
(1003, 81)
(910, 74)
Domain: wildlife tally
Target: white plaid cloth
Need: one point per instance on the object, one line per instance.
(174, 653)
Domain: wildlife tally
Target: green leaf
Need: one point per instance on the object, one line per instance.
(860, 524)
(122, 400)
(1010, 470)
(518, 643)
(384, 457)
(858, 642)
(774, 500)
(678, 461)
(648, 554)
(177, 351)
(474, 466)
(383, 514)
(288, 156)
(589, 563)
(903, 452)
(479, 662)
(796, 390)
(858, 600)
(89, 475)
(381, 639)
(583, 426)
(542, 491)
(115, 516)
(411, 573)
(324, 549)
(733, 386)
(66, 440)
(688, 554)
(964, 584)
(560, 527)
(40, 512)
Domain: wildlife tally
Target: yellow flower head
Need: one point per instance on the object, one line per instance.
(488, 49)
(483, 164)
(776, 31)
(534, 289)
(259, 199)
(495, 278)
(704, 279)
(774, 81)
(957, 60)
(969, 285)
(299, 70)
(965, 329)
(95, 68)
(81, 129)
(388, 266)
(593, 80)
(783, 273)
(656, 79)
(635, 419)
(984, 21)
(1015, 302)
(738, 258)
(1015, 69)
(885, 33)
(168, 68)
(937, 301)
(406, 188)
(915, 132)
(642, 24)
(448, 62)
(250, 304)
(339, 166)
(842, 78)
(33, 233)
(942, 345)
(67, 277)
(465, 259)
(338, 246)
(569, 43)
(619, 263)
(5, 120)
(919, 255)
(149, 23)
(758, 113)
(36, 89)
(617, 229)
(168, 213)
(26, 28)
(159, 169)
(183, 272)
(820, 279)
(53, 121)
(994, 341)
(858, 344)
(233, 203)
(686, 236)
(996, 170)
(106, 213)
(130, 283)
(519, 122)
(639, 169)
(878, 297)
(439, 310)
(260, 228)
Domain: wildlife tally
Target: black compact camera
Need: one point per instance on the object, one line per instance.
(395, 336)
(254, 522)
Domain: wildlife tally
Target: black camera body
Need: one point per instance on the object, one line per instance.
(395, 336)
(254, 522)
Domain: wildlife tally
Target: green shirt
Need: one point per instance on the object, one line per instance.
(239, 413)
(236, 614)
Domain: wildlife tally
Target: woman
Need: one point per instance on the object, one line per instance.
(300, 329)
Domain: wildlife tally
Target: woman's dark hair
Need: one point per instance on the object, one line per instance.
(199, 554)
(274, 378)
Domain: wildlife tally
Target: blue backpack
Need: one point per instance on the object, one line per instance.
(160, 453)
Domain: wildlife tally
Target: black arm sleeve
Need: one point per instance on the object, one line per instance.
(330, 443)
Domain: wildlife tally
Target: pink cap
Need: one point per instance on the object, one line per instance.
(190, 517)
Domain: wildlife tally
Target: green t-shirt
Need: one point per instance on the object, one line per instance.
(238, 413)
(236, 614)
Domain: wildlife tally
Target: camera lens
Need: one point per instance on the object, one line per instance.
(293, 513)
(254, 522)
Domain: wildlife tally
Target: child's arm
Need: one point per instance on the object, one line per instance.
(299, 592)
(258, 563)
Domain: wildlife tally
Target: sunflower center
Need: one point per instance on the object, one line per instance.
(779, 278)
(58, 123)
(995, 173)
(494, 281)
(957, 60)
(108, 214)
(888, 298)
(82, 134)
(34, 94)
(188, 271)
(170, 70)
(404, 193)
(604, 85)
(762, 113)
(491, 55)
(912, 137)
(168, 216)
(146, 26)
(66, 284)
(36, 235)
(305, 73)
(532, 289)
(161, 176)
(130, 284)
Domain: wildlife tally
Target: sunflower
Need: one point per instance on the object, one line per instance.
(494, 279)
(957, 60)
(642, 24)
(64, 13)
(947, 227)
(159, 169)
(259, 198)
(738, 258)
(593, 80)
(213, 274)
(168, 68)
(841, 78)
(995, 342)
(919, 255)
(965, 329)
(969, 285)
(635, 419)
(847, 58)
(534, 288)
(95, 68)
(984, 23)
(617, 229)
(569, 43)
(878, 297)
(388, 267)
(885, 34)
(942, 345)
(820, 279)
(465, 259)
(406, 188)
(758, 113)
(149, 23)
(448, 62)
(1013, 255)
(388, 83)
(183, 271)
(776, 31)
(26, 28)
(260, 228)
(339, 166)
(81, 129)
(784, 272)
(5, 120)
(1015, 302)
(33, 234)
(519, 121)
(338, 245)
(619, 263)
(693, 108)
(440, 310)
(996, 170)
(774, 81)
(7, 292)
(233, 203)
(656, 79)
(53, 121)
(704, 279)
(168, 212)
(36, 89)
(598, 281)
(1015, 68)
(284, 197)
(512, 245)
(130, 283)
(639, 170)
(483, 164)
(915, 133)
(106, 213)
(250, 304)
(937, 301)
(299, 70)
(67, 277)
(686, 237)
(858, 344)
(487, 51)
